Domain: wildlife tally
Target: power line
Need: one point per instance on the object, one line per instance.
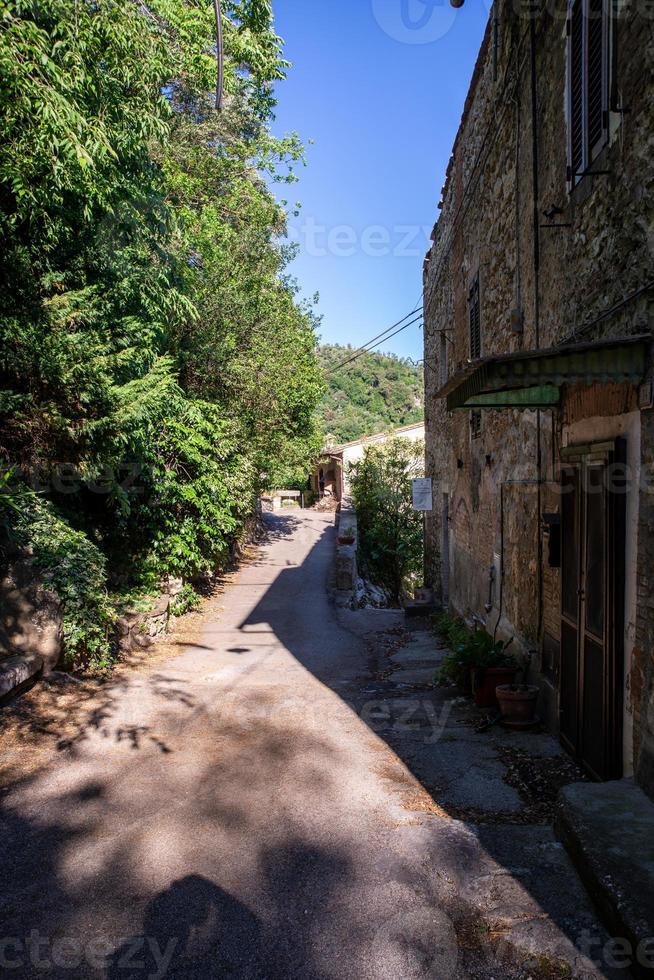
(363, 348)
(368, 348)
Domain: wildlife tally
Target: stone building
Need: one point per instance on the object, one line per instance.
(330, 474)
(539, 291)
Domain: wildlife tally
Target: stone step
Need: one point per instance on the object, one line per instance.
(608, 829)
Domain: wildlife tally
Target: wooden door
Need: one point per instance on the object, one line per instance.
(593, 497)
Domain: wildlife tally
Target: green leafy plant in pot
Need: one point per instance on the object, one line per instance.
(493, 666)
(455, 668)
(346, 536)
(477, 663)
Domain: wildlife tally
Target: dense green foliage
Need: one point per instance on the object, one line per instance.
(156, 368)
(375, 393)
(390, 531)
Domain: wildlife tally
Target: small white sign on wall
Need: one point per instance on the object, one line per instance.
(423, 498)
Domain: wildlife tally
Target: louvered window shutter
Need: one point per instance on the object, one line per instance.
(576, 69)
(588, 71)
(595, 82)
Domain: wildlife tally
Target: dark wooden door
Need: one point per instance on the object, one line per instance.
(593, 497)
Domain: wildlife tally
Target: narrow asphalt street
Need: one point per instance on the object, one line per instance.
(252, 810)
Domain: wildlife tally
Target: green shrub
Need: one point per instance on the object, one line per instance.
(75, 568)
(201, 491)
(451, 628)
(185, 601)
(390, 531)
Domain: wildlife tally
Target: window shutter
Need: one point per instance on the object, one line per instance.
(595, 77)
(475, 322)
(576, 68)
(588, 30)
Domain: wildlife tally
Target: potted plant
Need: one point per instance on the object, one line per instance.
(492, 665)
(477, 663)
(518, 704)
(456, 668)
(346, 536)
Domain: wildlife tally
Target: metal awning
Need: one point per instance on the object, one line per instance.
(533, 379)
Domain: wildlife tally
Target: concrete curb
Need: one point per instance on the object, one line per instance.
(15, 672)
(608, 830)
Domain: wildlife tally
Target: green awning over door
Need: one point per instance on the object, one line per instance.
(533, 379)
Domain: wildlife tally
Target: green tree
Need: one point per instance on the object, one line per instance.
(147, 324)
(375, 393)
(390, 531)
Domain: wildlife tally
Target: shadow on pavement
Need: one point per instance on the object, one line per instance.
(195, 860)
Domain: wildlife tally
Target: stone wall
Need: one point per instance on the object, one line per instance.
(30, 615)
(575, 263)
(346, 569)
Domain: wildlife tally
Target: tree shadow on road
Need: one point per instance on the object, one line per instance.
(310, 631)
(202, 853)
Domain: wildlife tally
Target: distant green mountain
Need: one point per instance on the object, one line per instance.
(373, 393)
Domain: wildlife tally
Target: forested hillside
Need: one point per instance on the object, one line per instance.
(156, 370)
(373, 393)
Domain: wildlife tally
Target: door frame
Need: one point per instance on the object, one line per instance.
(613, 456)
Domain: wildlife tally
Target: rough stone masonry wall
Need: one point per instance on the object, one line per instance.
(564, 279)
(485, 199)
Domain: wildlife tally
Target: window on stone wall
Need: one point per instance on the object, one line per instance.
(475, 424)
(588, 83)
(475, 320)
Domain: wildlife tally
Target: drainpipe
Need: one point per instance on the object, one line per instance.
(536, 257)
(491, 584)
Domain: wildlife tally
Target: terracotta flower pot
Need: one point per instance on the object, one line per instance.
(486, 679)
(345, 539)
(518, 703)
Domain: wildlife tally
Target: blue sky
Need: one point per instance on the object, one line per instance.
(379, 86)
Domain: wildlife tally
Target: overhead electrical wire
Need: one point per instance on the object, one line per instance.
(387, 330)
(370, 345)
